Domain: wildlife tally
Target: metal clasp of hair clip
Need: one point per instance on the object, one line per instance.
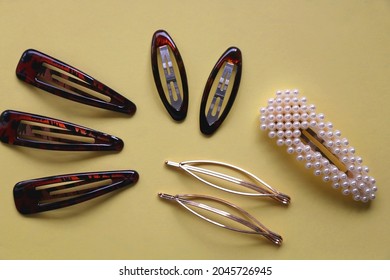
(54, 192)
(174, 92)
(246, 221)
(34, 131)
(214, 109)
(61, 79)
(257, 187)
(294, 123)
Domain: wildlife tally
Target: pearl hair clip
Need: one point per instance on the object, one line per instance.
(246, 222)
(295, 124)
(257, 187)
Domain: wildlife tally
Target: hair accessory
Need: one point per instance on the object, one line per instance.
(214, 110)
(258, 187)
(61, 79)
(24, 129)
(248, 223)
(297, 125)
(163, 48)
(49, 193)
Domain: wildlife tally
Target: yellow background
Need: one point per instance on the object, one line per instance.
(335, 52)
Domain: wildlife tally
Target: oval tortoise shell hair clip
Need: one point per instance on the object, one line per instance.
(173, 91)
(243, 221)
(49, 193)
(297, 125)
(29, 130)
(253, 185)
(61, 79)
(214, 108)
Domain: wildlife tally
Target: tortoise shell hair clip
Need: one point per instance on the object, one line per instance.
(63, 80)
(213, 108)
(49, 193)
(29, 130)
(166, 59)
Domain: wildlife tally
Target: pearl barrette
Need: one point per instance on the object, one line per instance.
(295, 124)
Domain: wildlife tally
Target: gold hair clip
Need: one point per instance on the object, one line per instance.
(257, 186)
(295, 124)
(248, 223)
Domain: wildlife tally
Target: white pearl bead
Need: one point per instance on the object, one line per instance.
(288, 142)
(287, 108)
(280, 142)
(364, 199)
(313, 123)
(300, 158)
(263, 127)
(280, 133)
(317, 165)
(271, 134)
(346, 192)
(279, 117)
(296, 116)
(337, 133)
(295, 91)
(288, 133)
(308, 165)
(312, 108)
(317, 172)
(305, 125)
(296, 133)
(279, 92)
(326, 171)
(321, 116)
(279, 125)
(336, 185)
(335, 178)
(372, 196)
(271, 101)
(288, 125)
(295, 108)
(290, 150)
(297, 141)
(326, 178)
(356, 197)
(263, 110)
(271, 126)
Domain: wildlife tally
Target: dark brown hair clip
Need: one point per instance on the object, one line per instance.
(214, 109)
(61, 79)
(49, 193)
(174, 91)
(24, 129)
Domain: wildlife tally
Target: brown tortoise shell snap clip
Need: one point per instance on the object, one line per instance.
(173, 91)
(24, 129)
(63, 80)
(49, 193)
(213, 108)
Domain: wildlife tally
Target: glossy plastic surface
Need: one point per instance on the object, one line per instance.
(63, 80)
(49, 193)
(35, 131)
(231, 55)
(162, 38)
